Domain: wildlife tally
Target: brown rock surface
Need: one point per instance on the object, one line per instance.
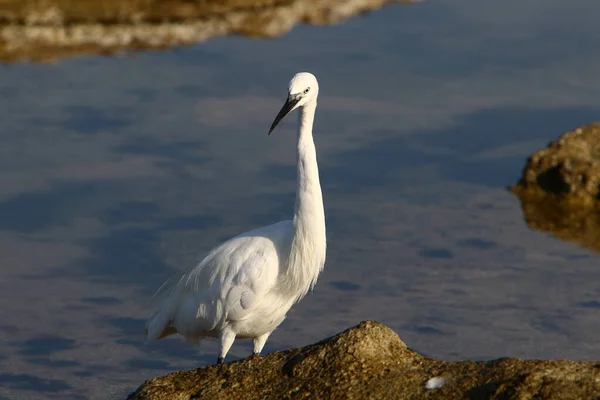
(46, 30)
(370, 361)
(568, 169)
(559, 188)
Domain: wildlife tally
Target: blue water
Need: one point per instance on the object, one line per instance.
(117, 172)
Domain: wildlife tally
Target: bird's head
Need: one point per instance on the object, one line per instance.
(303, 89)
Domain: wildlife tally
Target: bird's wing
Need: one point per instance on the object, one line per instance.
(254, 275)
(231, 280)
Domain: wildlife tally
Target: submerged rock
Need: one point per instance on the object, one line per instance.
(567, 170)
(52, 29)
(370, 361)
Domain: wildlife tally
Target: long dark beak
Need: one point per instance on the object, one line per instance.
(290, 103)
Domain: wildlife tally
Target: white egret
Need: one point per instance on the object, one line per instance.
(244, 287)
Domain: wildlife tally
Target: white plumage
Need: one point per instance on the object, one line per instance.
(244, 287)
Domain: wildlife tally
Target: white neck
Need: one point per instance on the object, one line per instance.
(307, 255)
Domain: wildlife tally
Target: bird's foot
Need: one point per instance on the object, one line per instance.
(220, 360)
(254, 356)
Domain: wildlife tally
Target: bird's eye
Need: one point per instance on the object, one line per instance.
(306, 90)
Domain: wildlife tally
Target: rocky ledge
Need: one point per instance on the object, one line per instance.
(370, 361)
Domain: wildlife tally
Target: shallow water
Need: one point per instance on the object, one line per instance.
(117, 172)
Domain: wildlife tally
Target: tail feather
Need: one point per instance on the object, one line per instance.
(160, 325)
(168, 331)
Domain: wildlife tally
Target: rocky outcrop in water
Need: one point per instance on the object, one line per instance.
(370, 361)
(52, 29)
(568, 169)
(559, 188)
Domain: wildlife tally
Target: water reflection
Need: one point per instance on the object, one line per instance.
(55, 29)
(563, 220)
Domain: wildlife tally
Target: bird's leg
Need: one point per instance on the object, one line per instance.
(226, 338)
(259, 343)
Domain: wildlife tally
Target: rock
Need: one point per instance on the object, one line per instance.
(567, 170)
(370, 361)
(52, 29)
(559, 188)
